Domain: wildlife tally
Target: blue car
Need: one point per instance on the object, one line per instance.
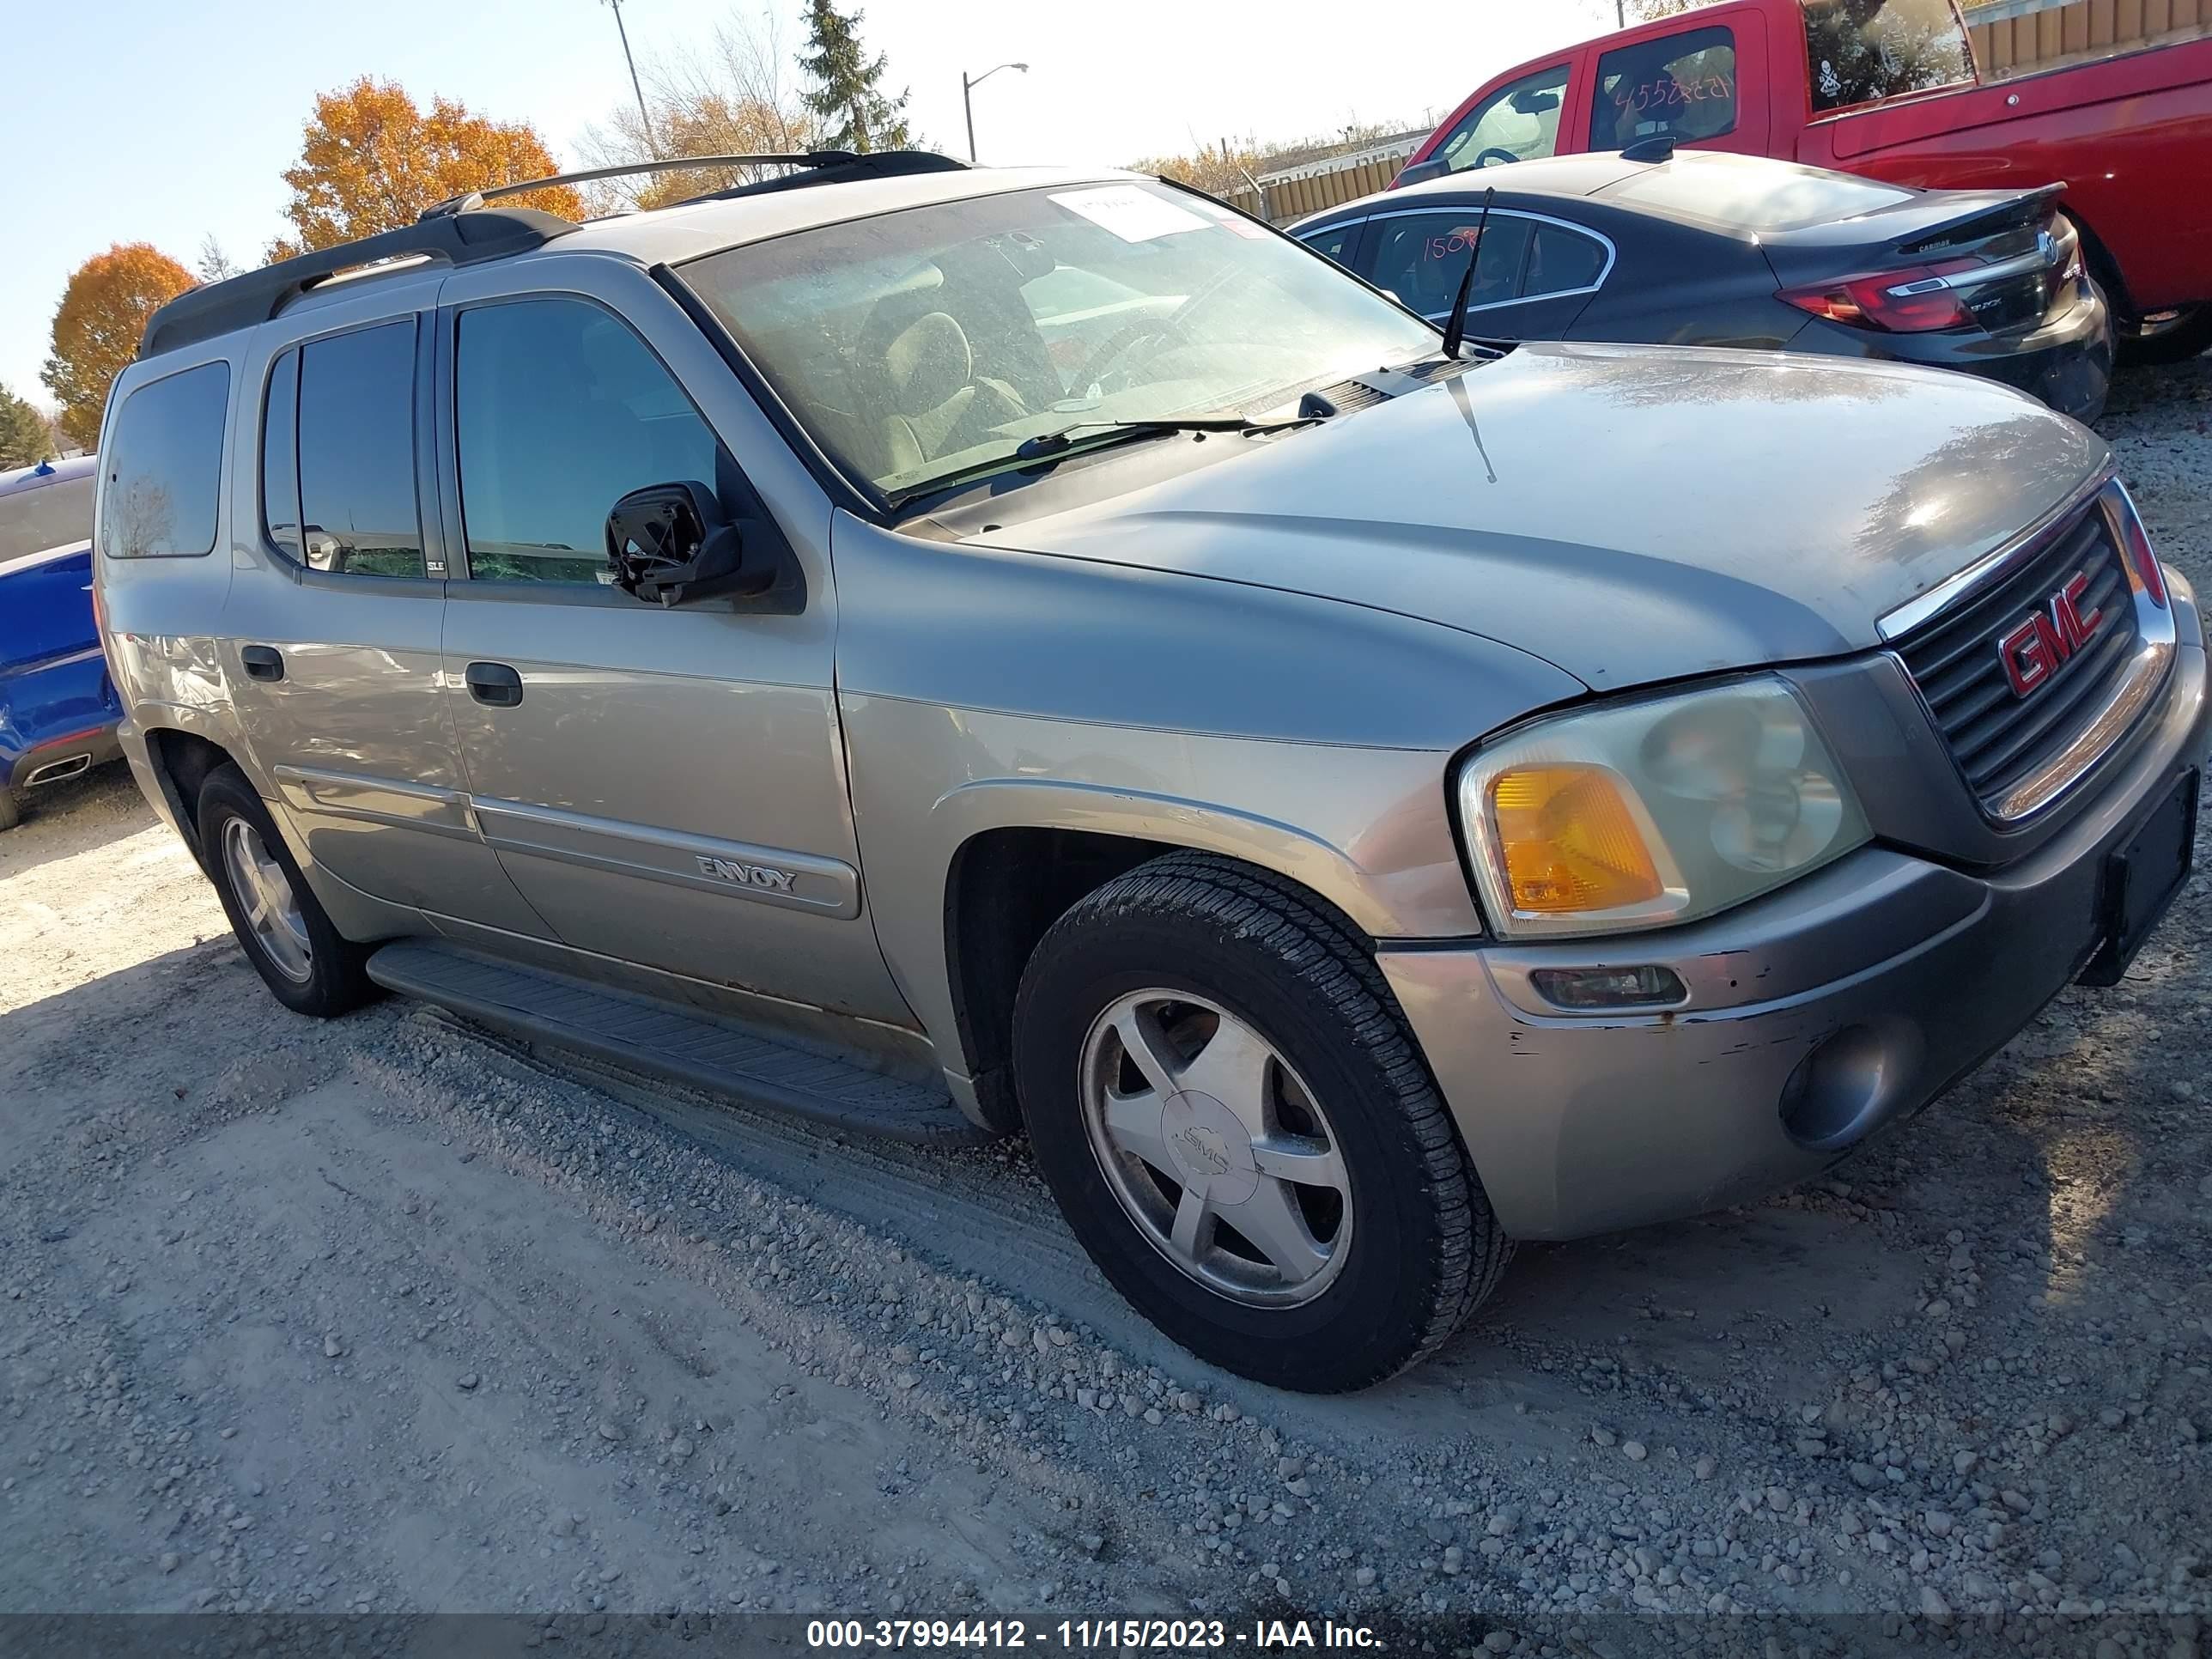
(57, 708)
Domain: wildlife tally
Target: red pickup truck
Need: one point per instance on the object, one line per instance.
(1890, 88)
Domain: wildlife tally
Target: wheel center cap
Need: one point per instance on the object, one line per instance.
(1211, 1147)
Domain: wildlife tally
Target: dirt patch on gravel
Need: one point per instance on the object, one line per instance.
(386, 1315)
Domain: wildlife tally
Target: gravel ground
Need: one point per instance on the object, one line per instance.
(388, 1317)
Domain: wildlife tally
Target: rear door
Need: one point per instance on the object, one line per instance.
(1533, 275)
(1685, 82)
(332, 632)
(666, 787)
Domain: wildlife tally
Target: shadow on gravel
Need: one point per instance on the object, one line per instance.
(64, 819)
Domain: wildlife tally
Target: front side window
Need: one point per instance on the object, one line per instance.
(164, 467)
(560, 410)
(1519, 123)
(1681, 85)
(40, 520)
(919, 344)
(358, 514)
(1422, 258)
(1859, 50)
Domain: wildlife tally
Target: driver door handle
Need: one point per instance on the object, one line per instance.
(494, 684)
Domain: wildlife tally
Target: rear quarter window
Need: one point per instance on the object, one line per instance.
(163, 467)
(1860, 53)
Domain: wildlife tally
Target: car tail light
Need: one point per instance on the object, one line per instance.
(1913, 300)
(2134, 541)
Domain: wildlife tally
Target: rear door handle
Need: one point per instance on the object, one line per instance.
(494, 684)
(262, 662)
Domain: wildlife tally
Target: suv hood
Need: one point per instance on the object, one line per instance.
(1632, 513)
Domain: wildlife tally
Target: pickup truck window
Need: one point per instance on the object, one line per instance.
(1516, 123)
(164, 466)
(52, 515)
(1680, 85)
(1860, 50)
(918, 344)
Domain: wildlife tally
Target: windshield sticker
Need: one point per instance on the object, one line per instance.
(1133, 215)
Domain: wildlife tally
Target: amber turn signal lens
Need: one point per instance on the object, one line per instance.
(1570, 840)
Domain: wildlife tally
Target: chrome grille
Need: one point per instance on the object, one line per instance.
(1997, 736)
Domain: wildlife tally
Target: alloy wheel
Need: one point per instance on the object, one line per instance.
(1215, 1147)
(266, 898)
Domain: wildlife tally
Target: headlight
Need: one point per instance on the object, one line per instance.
(1656, 812)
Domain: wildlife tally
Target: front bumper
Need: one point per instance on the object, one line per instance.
(1904, 974)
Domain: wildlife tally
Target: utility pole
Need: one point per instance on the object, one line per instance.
(651, 141)
(968, 86)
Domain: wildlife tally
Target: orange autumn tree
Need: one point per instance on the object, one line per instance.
(371, 161)
(103, 312)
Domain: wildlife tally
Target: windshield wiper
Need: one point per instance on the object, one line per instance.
(1049, 448)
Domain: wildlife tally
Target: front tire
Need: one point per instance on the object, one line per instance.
(308, 965)
(1227, 1105)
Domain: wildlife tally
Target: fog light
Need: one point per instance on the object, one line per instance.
(1648, 987)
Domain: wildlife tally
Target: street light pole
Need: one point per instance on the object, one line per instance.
(652, 143)
(966, 104)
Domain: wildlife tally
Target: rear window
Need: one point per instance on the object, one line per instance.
(52, 515)
(358, 515)
(1682, 85)
(164, 467)
(1751, 194)
(1863, 50)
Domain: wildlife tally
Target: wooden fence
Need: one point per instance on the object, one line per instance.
(2025, 36)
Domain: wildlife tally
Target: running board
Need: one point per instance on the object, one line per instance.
(663, 1040)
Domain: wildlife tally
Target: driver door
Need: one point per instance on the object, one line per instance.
(666, 787)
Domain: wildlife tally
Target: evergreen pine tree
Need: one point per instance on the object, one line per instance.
(25, 439)
(855, 113)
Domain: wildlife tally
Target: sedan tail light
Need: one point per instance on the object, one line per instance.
(1916, 299)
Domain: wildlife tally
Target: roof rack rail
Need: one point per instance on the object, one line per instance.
(899, 161)
(462, 231)
(201, 314)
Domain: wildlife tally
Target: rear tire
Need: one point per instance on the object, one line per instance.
(11, 810)
(2187, 335)
(1356, 1238)
(308, 965)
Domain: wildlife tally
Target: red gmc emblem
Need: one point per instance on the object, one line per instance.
(2035, 650)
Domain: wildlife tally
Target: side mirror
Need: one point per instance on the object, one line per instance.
(1420, 173)
(670, 543)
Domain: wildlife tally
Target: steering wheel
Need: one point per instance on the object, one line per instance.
(1506, 157)
(1125, 340)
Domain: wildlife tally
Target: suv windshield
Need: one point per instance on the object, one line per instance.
(52, 515)
(923, 343)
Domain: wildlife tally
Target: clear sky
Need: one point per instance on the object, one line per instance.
(143, 120)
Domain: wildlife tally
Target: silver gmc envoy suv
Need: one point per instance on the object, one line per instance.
(951, 651)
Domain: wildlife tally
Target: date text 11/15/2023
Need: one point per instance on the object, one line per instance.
(1082, 1635)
